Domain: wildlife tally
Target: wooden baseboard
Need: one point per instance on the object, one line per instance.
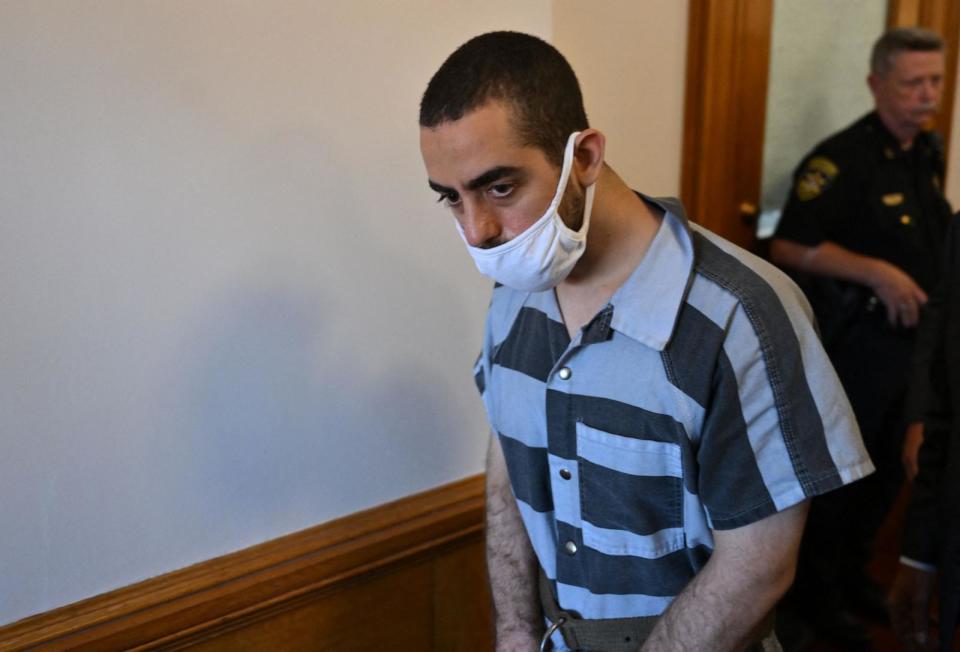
(408, 574)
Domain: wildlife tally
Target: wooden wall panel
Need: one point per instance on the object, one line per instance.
(385, 612)
(464, 621)
(408, 575)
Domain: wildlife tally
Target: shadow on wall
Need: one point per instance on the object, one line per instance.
(321, 382)
(288, 425)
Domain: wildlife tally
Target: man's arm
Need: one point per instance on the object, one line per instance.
(750, 569)
(912, 441)
(899, 293)
(511, 563)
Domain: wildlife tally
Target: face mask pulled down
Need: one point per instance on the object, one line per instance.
(545, 253)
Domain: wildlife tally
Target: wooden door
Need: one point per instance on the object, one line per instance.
(728, 55)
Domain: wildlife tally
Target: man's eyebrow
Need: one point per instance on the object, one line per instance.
(491, 175)
(443, 190)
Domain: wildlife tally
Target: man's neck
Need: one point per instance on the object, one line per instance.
(622, 226)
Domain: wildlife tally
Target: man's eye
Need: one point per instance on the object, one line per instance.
(449, 198)
(501, 190)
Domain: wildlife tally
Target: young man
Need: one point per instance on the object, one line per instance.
(865, 221)
(659, 398)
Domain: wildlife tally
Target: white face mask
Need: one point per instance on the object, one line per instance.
(545, 253)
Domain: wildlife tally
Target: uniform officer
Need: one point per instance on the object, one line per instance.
(862, 229)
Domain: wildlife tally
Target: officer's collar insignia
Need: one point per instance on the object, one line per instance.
(816, 177)
(892, 199)
(936, 181)
(906, 220)
(888, 152)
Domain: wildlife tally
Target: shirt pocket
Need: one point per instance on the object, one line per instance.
(631, 494)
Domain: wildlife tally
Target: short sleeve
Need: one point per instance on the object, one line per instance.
(778, 428)
(818, 201)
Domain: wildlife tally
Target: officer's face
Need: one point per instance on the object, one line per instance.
(909, 94)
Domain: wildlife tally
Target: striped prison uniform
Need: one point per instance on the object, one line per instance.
(698, 399)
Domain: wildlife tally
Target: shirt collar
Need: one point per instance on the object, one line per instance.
(647, 305)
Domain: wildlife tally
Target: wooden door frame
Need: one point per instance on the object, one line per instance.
(728, 56)
(721, 111)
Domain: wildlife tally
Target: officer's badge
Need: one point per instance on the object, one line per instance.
(816, 177)
(892, 199)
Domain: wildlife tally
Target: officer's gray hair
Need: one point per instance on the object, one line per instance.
(902, 39)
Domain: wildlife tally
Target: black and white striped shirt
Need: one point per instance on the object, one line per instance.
(699, 398)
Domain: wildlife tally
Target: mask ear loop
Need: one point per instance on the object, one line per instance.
(589, 191)
(564, 171)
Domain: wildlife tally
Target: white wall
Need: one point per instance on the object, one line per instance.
(819, 61)
(630, 58)
(231, 308)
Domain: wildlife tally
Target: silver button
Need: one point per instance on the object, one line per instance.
(565, 474)
(570, 547)
(565, 373)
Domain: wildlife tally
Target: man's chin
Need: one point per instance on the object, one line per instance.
(926, 120)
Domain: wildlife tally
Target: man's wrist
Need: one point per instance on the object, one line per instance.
(874, 272)
(517, 640)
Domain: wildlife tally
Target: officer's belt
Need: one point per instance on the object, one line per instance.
(614, 634)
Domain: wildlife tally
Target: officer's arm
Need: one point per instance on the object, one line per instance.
(750, 569)
(510, 561)
(900, 294)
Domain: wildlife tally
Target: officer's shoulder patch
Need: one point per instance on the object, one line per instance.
(817, 175)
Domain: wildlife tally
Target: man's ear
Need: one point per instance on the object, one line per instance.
(588, 155)
(873, 83)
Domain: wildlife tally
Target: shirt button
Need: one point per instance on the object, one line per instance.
(565, 474)
(565, 373)
(570, 547)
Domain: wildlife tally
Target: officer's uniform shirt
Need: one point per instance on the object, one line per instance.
(860, 190)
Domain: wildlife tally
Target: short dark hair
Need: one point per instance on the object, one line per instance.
(526, 73)
(902, 39)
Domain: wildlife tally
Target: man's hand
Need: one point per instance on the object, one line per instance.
(899, 293)
(909, 607)
(911, 449)
(517, 642)
(750, 569)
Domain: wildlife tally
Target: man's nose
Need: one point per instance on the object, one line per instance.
(480, 226)
(930, 91)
